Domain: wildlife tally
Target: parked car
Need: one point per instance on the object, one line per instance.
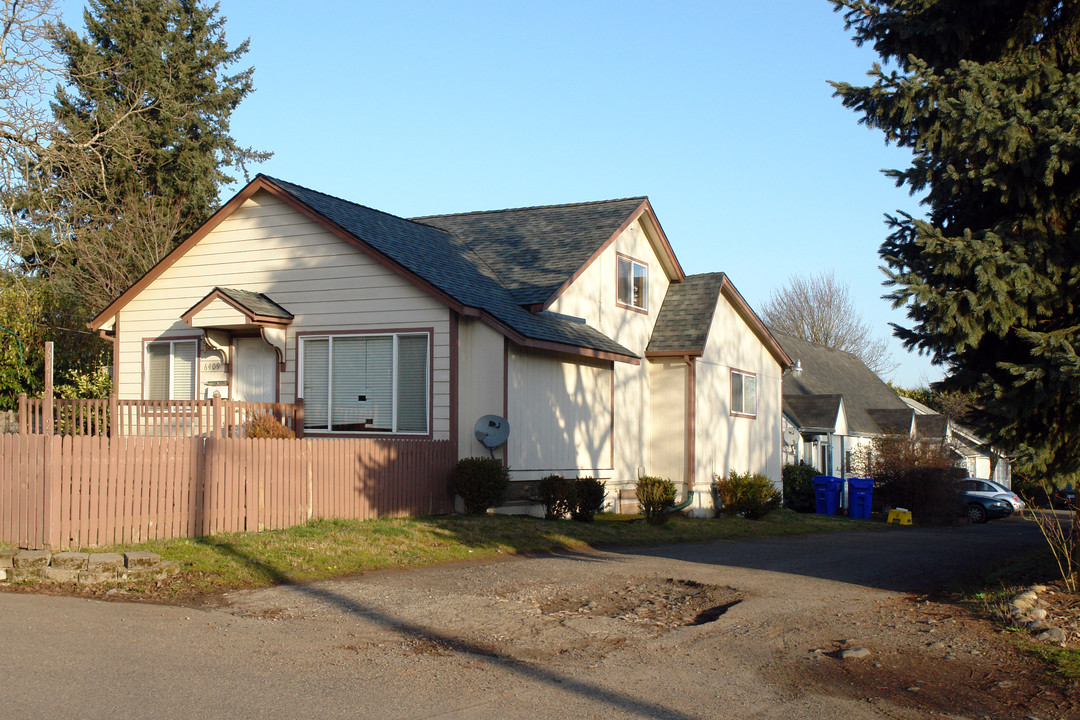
(978, 508)
(1064, 498)
(989, 488)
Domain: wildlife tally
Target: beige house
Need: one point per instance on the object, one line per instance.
(575, 322)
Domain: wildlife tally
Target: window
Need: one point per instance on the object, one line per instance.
(743, 393)
(632, 283)
(170, 370)
(365, 383)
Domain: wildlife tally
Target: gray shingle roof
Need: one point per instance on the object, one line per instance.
(535, 250)
(684, 319)
(834, 372)
(256, 303)
(817, 412)
(449, 263)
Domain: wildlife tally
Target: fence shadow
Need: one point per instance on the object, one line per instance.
(459, 646)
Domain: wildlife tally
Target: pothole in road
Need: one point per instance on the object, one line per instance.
(665, 603)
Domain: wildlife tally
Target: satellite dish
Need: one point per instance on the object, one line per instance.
(491, 431)
(791, 435)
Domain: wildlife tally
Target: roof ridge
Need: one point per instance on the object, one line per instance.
(348, 202)
(641, 198)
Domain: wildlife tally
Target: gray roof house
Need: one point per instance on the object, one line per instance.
(574, 322)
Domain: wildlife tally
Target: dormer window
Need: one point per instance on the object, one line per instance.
(632, 281)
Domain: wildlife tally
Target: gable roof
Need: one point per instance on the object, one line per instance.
(813, 412)
(536, 251)
(437, 260)
(685, 317)
(872, 408)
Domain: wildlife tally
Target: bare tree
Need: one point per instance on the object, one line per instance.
(819, 309)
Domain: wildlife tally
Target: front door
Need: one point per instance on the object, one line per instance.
(254, 370)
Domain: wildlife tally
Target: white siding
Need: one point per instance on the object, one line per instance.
(668, 382)
(592, 296)
(480, 383)
(560, 416)
(328, 284)
(726, 442)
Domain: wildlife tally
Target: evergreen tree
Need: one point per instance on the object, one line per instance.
(145, 138)
(986, 96)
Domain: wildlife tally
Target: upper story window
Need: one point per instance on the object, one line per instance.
(170, 370)
(366, 383)
(743, 393)
(633, 283)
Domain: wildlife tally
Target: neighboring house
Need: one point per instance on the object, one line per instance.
(576, 322)
(833, 405)
(979, 458)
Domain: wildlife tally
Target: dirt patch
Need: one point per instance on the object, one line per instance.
(660, 603)
(940, 658)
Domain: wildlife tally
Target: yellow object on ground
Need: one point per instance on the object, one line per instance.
(900, 516)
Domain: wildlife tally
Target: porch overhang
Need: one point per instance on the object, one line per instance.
(227, 311)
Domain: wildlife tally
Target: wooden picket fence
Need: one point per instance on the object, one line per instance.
(61, 491)
(150, 418)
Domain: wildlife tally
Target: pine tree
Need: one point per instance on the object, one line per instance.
(145, 142)
(986, 95)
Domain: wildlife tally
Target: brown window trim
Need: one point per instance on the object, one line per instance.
(754, 375)
(179, 338)
(427, 330)
(618, 303)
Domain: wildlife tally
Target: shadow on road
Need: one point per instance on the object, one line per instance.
(563, 683)
(908, 559)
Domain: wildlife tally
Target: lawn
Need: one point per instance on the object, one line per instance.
(326, 549)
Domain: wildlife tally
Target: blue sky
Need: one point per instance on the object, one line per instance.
(719, 111)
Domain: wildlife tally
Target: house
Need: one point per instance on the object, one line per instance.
(979, 457)
(575, 322)
(833, 405)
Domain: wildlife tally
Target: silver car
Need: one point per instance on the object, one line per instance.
(991, 489)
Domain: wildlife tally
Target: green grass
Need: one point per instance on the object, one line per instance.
(326, 549)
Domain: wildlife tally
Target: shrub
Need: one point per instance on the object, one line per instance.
(656, 496)
(481, 482)
(921, 477)
(799, 487)
(265, 425)
(751, 495)
(590, 494)
(558, 495)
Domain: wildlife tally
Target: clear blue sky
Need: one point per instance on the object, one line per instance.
(718, 111)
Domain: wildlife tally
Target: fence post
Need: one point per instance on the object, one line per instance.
(298, 418)
(50, 475)
(22, 414)
(215, 414)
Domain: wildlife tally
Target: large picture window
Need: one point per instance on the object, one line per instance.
(743, 393)
(632, 281)
(365, 383)
(170, 370)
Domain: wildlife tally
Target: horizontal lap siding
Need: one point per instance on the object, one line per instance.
(108, 490)
(326, 283)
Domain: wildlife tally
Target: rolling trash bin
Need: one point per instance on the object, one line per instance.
(826, 495)
(860, 494)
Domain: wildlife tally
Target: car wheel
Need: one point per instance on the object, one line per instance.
(975, 513)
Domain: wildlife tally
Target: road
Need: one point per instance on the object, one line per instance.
(577, 635)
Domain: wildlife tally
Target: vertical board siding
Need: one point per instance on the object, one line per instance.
(61, 491)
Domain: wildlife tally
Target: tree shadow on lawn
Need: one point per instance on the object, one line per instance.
(459, 646)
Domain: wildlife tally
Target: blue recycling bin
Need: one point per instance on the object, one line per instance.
(860, 495)
(826, 495)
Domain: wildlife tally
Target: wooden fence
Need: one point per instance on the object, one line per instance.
(151, 418)
(59, 491)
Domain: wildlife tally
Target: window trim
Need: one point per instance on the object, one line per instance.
(197, 339)
(644, 308)
(429, 332)
(731, 389)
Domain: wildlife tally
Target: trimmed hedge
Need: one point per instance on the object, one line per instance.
(656, 497)
(751, 495)
(799, 487)
(481, 483)
(590, 494)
